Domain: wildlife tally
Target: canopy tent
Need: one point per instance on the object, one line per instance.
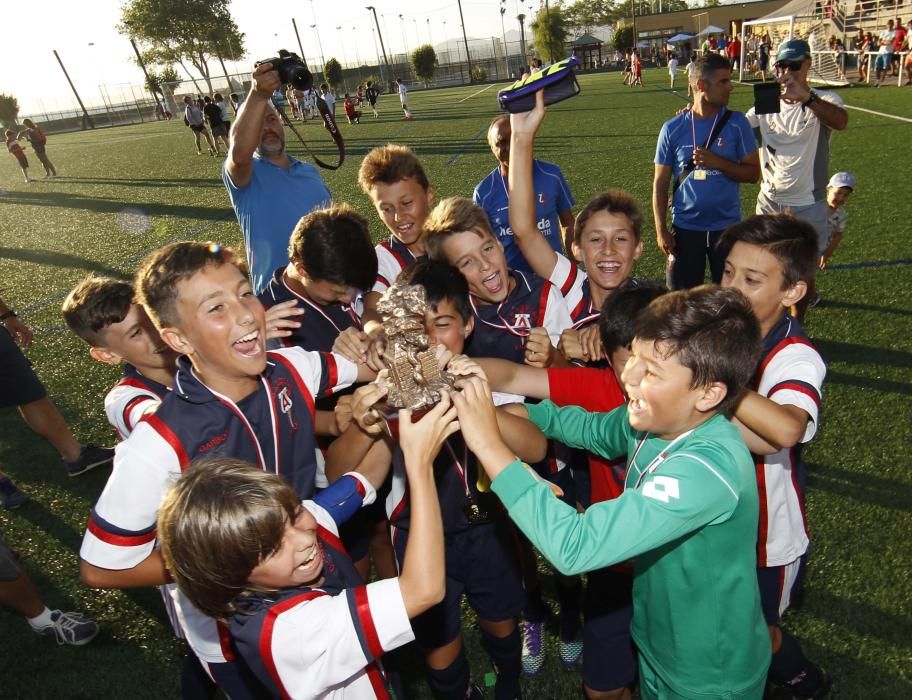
(642, 45)
(711, 29)
(680, 37)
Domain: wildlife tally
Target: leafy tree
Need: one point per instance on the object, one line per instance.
(623, 38)
(586, 15)
(424, 61)
(332, 72)
(479, 74)
(9, 110)
(178, 31)
(674, 6)
(549, 33)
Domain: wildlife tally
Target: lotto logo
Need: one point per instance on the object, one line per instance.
(662, 488)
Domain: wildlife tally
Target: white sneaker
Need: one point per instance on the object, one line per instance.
(70, 628)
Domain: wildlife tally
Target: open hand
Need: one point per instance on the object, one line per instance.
(281, 319)
(422, 440)
(364, 402)
(353, 344)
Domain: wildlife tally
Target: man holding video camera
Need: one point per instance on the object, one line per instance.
(270, 191)
(795, 140)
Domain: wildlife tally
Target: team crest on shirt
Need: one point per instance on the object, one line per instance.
(522, 321)
(286, 403)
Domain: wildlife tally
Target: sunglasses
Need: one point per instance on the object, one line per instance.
(794, 66)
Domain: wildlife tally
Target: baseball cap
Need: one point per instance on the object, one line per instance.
(793, 50)
(842, 179)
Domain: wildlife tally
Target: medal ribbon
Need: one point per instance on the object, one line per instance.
(316, 307)
(658, 459)
(693, 131)
(460, 466)
(518, 332)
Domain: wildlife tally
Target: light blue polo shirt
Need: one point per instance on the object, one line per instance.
(714, 203)
(269, 208)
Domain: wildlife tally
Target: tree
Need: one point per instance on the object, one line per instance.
(424, 61)
(176, 31)
(332, 72)
(549, 33)
(623, 38)
(9, 110)
(586, 15)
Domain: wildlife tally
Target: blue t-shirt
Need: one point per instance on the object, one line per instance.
(269, 208)
(552, 196)
(713, 203)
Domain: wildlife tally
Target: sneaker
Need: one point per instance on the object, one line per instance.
(70, 628)
(533, 648)
(570, 652)
(11, 496)
(91, 456)
(785, 692)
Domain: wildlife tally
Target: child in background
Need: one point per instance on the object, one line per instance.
(327, 96)
(403, 97)
(36, 137)
(16, 151)
(690, 71)
(839, 189)
(672, 69)
(689, 508)
(353, 115)
(771, 260)
(372, 94)
(637, 70)
(273, 568)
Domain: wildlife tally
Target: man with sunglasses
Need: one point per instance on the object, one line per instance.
(795, 142)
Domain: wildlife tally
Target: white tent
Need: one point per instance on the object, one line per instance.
(711, 29)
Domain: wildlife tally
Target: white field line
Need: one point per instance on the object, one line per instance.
(477, 92)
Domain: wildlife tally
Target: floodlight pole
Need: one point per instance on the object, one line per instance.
(465, 40)
(382, 47)
(298, 37)
(73, 88)
(522, 37)
(158, 98)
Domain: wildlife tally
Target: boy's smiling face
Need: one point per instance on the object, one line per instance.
(757, 274)
(445, 326)
(297, 562)
(135, 340)
(607, 248)
(222, 329)
(404, 207)
(479, 257)
(661, 400)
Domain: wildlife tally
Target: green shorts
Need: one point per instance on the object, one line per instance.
(652, 687)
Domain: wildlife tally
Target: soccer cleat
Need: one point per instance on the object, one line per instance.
(11, 496)
(70, 628)
(533, 648)
(570, 652)
(91, 456)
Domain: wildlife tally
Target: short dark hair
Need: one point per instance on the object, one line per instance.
(792, 241)
(441, 282)
(334, 244)
(617, 319)
(612, 202)
(94, 304)
(708, 64)
(219, 521)
(710, 330)
(157, 278)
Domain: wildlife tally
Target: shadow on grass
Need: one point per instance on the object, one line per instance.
(146, 182)
(853, 306)
(58, 259)
(65, 200)
(853, 353)
(887, 386)
(886, 493)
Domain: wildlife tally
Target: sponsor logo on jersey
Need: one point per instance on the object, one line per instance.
(662, 488)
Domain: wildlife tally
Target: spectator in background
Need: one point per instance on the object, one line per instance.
(734, 52)
(898, 41)
(884, 54)
(226, 115)
(672, 68)
(216, 126)
(38, 140)
(195, 119)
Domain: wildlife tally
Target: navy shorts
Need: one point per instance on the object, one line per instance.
(778, 587)
(609, 655)
(236, 680)
(480, 562)
(19, 384)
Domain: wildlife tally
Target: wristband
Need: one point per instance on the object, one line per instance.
(9, 313)
(810, 100)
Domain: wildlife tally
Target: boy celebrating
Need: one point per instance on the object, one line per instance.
(331, 259)
(16, 151)
(230, 397)
(403, 97)
(690, 501)
(272, 567)
(771, 260)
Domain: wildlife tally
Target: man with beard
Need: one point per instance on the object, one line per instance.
(270, 191)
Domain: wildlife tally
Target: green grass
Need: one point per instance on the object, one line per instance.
(856, 617)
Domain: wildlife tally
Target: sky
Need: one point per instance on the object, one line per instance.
(85, 36)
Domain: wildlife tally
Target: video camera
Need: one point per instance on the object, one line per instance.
(291, 69)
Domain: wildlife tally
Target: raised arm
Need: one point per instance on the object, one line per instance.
(246, 130)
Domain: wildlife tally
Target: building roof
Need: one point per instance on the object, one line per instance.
(586, 40)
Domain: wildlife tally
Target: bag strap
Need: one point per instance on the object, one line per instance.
(690, 167)
(330, 122)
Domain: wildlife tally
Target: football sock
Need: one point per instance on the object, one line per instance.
(570, 596)
(790, 667)
(506, 653)
(41, 621)
(452, 682)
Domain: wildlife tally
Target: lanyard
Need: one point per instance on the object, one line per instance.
(460, 466)
(658, 459)
(693, 131)
(316, 307)
(504, 325)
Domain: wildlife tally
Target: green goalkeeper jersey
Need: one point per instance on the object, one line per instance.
(688, 519)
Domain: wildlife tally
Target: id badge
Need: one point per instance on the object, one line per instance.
(699, 174)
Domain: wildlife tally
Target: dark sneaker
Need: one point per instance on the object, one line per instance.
(11, 496)
(91, 456)
(70, 628)
(797, 692)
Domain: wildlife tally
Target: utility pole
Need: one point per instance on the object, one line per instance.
(503, 32)
(382, 47)
(465, 39)
(550, 37)
(158, 98)
(73, 88)
(522, 38)
(298, 37)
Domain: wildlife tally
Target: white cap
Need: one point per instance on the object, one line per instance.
(842, 180)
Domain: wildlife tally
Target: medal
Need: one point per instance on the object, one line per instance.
(699, 174)
(474, 513)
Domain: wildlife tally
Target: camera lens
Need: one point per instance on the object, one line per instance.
(301, 78)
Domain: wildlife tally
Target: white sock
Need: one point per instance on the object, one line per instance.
(41, 621)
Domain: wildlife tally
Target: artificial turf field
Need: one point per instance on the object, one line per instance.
(125, 191)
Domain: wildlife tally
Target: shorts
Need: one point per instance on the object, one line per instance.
(815, 214)
(652, 687)
(481, 561)
(778, 587)
(236, 679)
(219, 130)
(9, 567)
(197, 128)
(609, 654)
(19, 384)
(23, 161)
(764, 63)
(883, 61)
